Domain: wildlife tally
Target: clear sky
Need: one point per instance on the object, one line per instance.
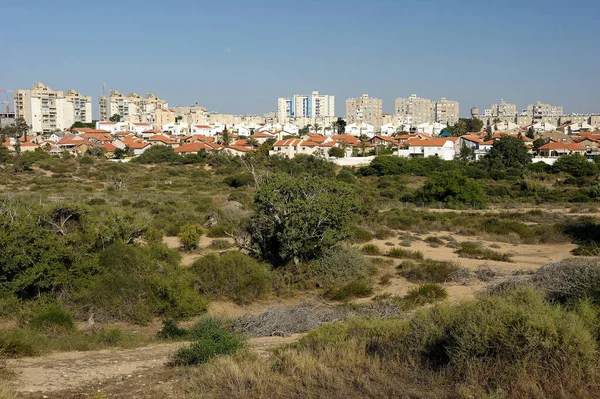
(236, 56)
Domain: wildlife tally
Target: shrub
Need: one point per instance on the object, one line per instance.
(401, 253)
(189, 235)
(239, 180)
(576, 165)
(85, 160)
(424, 294)
(232, 275)
(158, 154)
(452, 187)
(96, 201)
(427, 271)
(217, 231)
(434, 240)
(170, 330)
(211, 340)
(587, 250)
(355, 289)
(340, 266)
(153, 235)
(370, 249)
(52, 318)
(477, 251)
(570, 280)
(358, 234)
(221, 244)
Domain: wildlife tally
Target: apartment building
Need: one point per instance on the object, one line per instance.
(447, 112)
(131, 108)
(540, 111)
(501, 110)
(364, 109)
(47, 110)
(313, 106)
(414, 110)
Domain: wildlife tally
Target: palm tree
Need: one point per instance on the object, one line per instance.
(364, 143)
(253, 142)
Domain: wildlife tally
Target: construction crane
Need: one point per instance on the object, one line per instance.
(7, 102)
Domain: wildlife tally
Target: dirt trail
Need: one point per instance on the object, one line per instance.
(60, 372)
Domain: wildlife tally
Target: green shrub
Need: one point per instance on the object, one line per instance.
(239, 180)
(477, 251)
(340, 266)
(189, 236)
(52, 318)
(85, 160)
(217, 231)
(427, 271)
(170, 330)
(434, 240)
(358, 234)
(211, 340)
(425, 294)
(232, 275)
(370, 249)
(587, 250)
(452, 187)
(153, 235)
(354, 289)
(96, 201)
(221, 244)
(401, 253)
(18, 343)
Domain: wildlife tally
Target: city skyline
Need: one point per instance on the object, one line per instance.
(241, 58)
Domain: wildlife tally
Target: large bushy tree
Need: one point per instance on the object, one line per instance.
(509, 152)
(298, 218)
(453, 188)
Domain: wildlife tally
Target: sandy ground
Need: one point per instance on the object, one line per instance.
(80, 372)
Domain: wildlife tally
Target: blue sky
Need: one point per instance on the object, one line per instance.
(238, 56)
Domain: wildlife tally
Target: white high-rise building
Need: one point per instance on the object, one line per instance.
(131, 108)
(447, 112)
(47, 110)
(313, 106)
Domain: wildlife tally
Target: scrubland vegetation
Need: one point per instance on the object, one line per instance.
(85, 243)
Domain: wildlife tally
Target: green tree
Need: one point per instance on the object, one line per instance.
(364, 143)
(337, 152)
(225, 137)
(158, 154)
(530, 133)
(452, 187)
(510, 152)
(576, 165)
(537, 143)
(189, 236)
(299, 218)
(465, 153)
(341, 126)
(115, 118)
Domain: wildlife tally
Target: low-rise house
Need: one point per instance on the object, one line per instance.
(176, 129)
(139, 128)
(112, 127)
(161, 139)
(557, 149)
(262, 137)
(137, 145)
(441, 147)
(358, 129)
(194, 148)
(204, 130)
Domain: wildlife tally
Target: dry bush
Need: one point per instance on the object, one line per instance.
(284, 321)
(569, 280)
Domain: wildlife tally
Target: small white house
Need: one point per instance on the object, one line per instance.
(176, 129)
(112, 127)
(441, 147)
(139, 128)
(203, 130)
(357, 129)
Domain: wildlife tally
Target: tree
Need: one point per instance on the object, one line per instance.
(115, 118)
(225, 137)
(316, 127)
(530, 133)
(158, 154)
(537, 143)
(452, 187)
(460, 128)
(489, 133)
(364, 143)
(465, 153)
(341, 126)
(178, 118)
(576, 165)
(337, 152)
(253, 142)
(299, 218)
(510, 152)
